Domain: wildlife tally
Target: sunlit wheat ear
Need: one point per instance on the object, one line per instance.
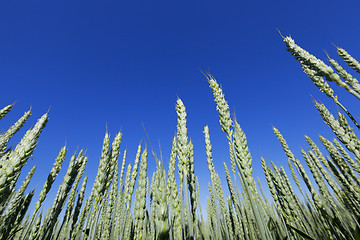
(349, 131)
(171, 186)
(5, 110)
(172, 193)
(182, 140)
(5, 137)
(78, 205)
(336, 127)
(319, 67)
(288, 153)
(160, 204)
(26, 146)
(126, 184)
(243, 156)
(191, 180)
(17, 158)
(221, 105)
(50, 179)
(320, 82)
(114, 154)
(123, 167)
(208, 147)
(354, 164)
(183, 160)
(311, 62)
(352, 62)
(140, 198)
(349, 79)
(101, 176)
(134, 174)
(211, 168)
(120, 196)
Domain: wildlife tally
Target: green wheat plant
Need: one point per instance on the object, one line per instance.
(319, 198)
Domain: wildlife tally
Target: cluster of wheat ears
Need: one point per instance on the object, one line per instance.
(329, 209)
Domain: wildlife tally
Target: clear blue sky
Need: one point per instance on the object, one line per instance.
(121, 63)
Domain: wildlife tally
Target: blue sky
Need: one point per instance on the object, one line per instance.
(118, 64)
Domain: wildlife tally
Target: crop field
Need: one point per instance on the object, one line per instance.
(128, 202)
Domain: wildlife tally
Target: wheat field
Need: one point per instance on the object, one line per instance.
(118, 204)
